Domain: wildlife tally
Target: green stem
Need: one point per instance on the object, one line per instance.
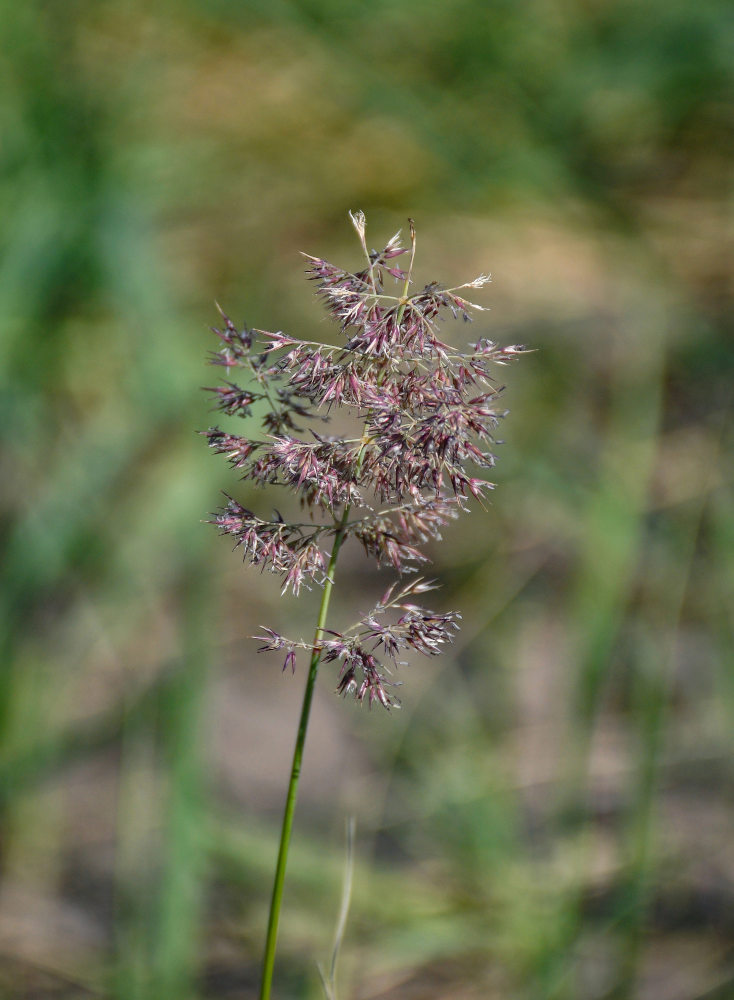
(290, 803)
(408, 276)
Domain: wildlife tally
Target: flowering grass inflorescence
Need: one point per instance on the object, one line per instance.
(427, 414)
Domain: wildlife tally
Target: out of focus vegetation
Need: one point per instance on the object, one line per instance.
(552, 813)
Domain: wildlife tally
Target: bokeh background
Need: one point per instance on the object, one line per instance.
(551, 814)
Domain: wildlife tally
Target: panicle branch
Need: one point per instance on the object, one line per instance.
(282, 547)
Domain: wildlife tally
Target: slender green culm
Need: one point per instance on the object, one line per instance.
(290, 802)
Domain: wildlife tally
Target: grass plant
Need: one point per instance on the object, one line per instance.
(426, 413)
(552, 806)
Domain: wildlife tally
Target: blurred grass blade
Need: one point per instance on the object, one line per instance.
(328, 981)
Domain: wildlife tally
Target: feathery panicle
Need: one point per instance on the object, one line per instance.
(428, 414)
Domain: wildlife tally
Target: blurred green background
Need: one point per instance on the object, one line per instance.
(551, 815)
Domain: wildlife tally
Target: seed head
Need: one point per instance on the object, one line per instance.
(427, 412)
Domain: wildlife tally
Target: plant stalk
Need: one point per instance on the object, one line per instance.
(290, 802)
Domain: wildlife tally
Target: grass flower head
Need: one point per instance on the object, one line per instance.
(427, 413)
